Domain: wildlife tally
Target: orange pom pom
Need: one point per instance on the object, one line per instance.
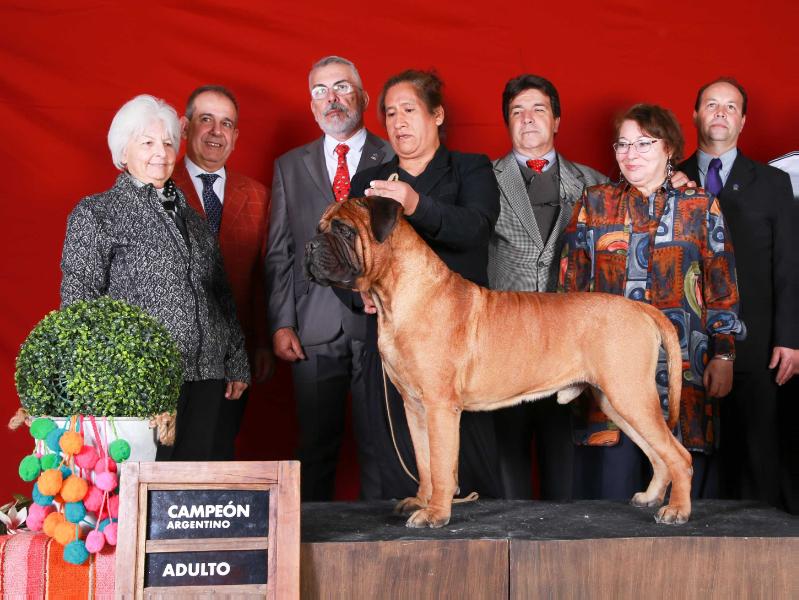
(71, 442)
(50, 482)
(58, 498)
(52, 521)
(64, 533)
(74, 489)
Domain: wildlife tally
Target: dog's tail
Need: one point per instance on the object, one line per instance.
(671, 343)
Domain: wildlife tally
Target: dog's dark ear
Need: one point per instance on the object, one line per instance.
(384, 214)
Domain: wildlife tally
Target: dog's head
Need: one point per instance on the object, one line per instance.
(346, 251)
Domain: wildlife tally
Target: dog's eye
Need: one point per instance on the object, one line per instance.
(348, 233)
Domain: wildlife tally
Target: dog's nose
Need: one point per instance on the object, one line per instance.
(311, 245)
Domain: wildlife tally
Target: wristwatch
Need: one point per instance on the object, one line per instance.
(728, 356)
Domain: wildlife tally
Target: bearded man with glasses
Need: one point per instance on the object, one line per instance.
(311, 328)
(647, 240)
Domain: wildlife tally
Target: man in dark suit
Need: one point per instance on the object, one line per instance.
(757, 203)
(312, 328)
(538, 189)
(236, 209)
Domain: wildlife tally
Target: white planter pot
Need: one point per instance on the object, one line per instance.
(135, 431)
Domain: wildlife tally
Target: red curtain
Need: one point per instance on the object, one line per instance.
(66, 67)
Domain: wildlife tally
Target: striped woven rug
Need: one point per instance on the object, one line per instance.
(32, 566)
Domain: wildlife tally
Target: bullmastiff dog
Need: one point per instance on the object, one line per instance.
(450, 345)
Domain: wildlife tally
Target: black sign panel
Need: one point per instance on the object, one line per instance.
(186, 514)
(170, 569)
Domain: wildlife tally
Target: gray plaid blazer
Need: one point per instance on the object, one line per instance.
(518, 257)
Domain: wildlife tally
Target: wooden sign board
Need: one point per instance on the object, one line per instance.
(209, 529)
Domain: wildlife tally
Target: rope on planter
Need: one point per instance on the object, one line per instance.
(21, 417)
(165, 428)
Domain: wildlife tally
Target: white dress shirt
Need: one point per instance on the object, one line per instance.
(550, 156)
(355, 144)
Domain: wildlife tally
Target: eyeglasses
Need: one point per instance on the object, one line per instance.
(342, 88)
(642, 146)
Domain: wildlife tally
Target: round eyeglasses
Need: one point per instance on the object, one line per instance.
(642, 146)
(341, 88)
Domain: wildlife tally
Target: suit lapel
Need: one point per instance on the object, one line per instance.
(373, 153)
(314, 160)
(234, 199)
(740, 177)
(439, 166)
(184, 182)
(691, 168)
(572, 184)
(511, 184)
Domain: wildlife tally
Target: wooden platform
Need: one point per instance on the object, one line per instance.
(519, 549)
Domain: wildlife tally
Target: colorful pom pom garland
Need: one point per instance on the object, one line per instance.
(75, 485)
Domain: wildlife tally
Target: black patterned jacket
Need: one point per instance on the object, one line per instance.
(122, 243)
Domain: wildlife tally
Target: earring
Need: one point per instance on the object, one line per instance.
(669, 170)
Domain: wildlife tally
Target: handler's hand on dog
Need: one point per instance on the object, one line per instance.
(396, 190)
(287, 345)
(718, 378)
(783, 358)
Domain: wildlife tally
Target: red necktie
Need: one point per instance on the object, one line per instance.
(341, 182)
(537, 164)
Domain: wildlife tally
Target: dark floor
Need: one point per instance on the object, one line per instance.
(533, 520)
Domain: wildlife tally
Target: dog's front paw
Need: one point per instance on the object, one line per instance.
(409, 505)
(641, 500)
(428, 517)
(673, 514)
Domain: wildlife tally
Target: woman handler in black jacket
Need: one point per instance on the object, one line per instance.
(452, 201)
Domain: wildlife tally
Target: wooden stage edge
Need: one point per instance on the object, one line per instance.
(513, 549)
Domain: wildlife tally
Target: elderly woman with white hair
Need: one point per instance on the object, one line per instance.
(139, 242)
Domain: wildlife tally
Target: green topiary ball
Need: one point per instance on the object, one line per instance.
(30, 467)
(119, 450)
(41, 427)
(99, 357)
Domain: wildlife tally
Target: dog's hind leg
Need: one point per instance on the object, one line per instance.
(417, 424)
(656, 491)
(649, 431)
(443, 428)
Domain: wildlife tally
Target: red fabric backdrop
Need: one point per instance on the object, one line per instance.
(66, 67)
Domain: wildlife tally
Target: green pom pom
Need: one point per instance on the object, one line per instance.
(119, 450)
(50, 461)
(41, 427)
(30, 467)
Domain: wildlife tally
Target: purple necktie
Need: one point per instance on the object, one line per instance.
(713, 179)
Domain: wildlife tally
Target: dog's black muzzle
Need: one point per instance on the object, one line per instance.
(328, 261)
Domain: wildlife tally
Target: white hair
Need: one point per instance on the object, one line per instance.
(134, 117)
(336, 60)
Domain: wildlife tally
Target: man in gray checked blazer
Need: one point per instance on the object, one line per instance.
(538, 189)
(313, 329)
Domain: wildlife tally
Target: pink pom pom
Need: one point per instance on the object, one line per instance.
(106, 481)
(113, 506)
(37, 515)
(95, 541)
(93, 499)
(110, 533)
(105, 465)
(86, 458)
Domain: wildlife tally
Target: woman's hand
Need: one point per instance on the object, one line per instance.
(235, 389)
(396, 190)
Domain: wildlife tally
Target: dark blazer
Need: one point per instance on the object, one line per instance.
(242, 240)
(458, 207)
(301, 191)
(758, 206)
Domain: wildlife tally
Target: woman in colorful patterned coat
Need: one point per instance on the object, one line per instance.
(669, 247)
